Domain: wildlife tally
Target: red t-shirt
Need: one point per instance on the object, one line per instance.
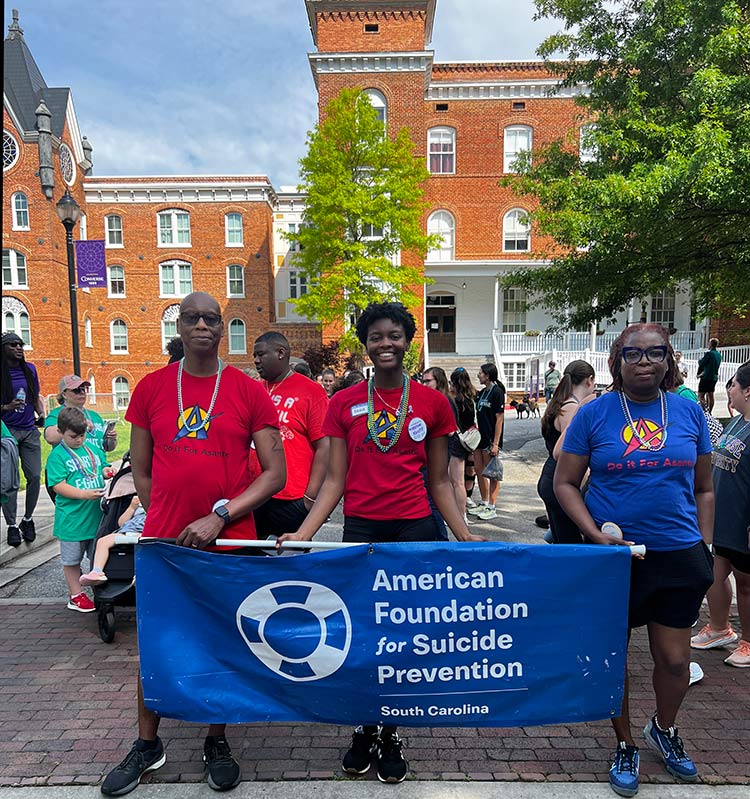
(302, 404)
(387, 485)
(192, 470)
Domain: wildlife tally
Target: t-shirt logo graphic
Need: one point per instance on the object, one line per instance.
(194, 423)
(384, 427)
(648, 431)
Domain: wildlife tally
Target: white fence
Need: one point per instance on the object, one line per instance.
(521, 344)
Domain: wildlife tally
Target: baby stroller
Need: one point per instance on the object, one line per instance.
(120, 586)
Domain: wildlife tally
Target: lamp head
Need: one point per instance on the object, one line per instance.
(68, 209)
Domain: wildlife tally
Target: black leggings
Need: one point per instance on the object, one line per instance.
(564, 531)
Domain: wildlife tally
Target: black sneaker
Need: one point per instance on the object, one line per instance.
(139, 760)
(359, 757)
(223, 769)
(14, 536)
(391, 764)
(28, 530)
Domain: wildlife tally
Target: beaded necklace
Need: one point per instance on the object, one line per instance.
(80, 465)
(734, 432)
(629, 419)
(400, 413)
(180, 408)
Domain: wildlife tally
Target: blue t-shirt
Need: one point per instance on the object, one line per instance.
(649, 494)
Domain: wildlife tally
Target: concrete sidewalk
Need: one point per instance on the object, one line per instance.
(68, 716)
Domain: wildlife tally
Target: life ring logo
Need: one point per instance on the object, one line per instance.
(299, 630)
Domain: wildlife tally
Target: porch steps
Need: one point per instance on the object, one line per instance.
(448, 361)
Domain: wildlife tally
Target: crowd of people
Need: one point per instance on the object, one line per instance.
(404, 453)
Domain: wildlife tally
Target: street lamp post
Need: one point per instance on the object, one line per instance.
(68, 210)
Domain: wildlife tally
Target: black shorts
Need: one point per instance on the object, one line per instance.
(706, 385)
(388, 531)
(456, 449)
(739, 560)
(279, 516)
(668, 587)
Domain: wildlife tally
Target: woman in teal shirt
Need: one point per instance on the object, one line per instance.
(73, 392)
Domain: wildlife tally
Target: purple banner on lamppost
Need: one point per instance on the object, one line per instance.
(91, 265)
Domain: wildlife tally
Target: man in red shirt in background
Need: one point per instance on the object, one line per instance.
(301, 404)
(192, 426)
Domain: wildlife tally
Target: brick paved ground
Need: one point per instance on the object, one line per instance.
(67, 715)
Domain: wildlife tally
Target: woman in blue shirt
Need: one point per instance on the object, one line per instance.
(649, 454)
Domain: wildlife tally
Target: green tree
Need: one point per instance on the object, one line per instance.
(664, 195)
(364, 208)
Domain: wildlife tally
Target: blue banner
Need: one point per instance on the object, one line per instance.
(424, 634)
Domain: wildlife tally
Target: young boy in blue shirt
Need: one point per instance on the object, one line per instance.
(76, 469)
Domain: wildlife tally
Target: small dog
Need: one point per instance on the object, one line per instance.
(521, 408)
(532, 405)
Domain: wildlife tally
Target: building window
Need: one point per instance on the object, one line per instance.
(169, 325)
(662, 308)
(237, 337)
(442, 224)
(115, 281)
(174, 228)
(118, 336)
(67, 164)
(235, 280)
(377, 101)
(83, 227)
(91, 396)
(515, 375)
(175, 279)
(20, 211)
(14, 270)
(87, 339)
(16, 320)
(297, 285)
(121, 392)
(113, 230)
(518, 139)
(588, 149)
(233, 230)
(10, 151)
(516, 231)
(514, 310)
(441, 145)
(294, 246)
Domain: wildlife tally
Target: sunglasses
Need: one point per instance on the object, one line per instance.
(79, 390)
(633, 355)
(191, 319)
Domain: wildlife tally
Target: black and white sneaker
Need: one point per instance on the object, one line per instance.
(138, 761)
(359, 757)
(392, 767)
(223, 770)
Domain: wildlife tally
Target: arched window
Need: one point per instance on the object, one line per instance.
(14, 270)
(588, 148)
(516, 231)
(377, 101)
(121, 391)
(169, 325)
(20, 205)
(91, 396)
(174, 228)
(233, 230)
(115, 281)
(113, 230)
(10, 150)
(175, 279)
(517, 139)
(118, 336)
(16, 319)
(237, 337)
(442, 224)
(87, 339)
(441, 147)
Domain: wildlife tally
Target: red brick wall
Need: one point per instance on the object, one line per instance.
(344, 31)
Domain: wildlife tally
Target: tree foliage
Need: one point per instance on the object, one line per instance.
(666, 197)
(364, 208)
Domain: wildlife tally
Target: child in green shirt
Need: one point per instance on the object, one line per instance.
(76, 469)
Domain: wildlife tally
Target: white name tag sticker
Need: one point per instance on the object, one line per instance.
(359, 410)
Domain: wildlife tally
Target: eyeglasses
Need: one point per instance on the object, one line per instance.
(633, 355)
(190, 319)
(79, 390)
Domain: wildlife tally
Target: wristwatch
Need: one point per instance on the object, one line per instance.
(223, 514)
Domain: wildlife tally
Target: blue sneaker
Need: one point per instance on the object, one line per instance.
(623, 776)
(669, 745)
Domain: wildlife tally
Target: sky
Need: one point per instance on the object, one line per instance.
(175, 87)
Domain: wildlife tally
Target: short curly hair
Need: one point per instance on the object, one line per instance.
(394, 311)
